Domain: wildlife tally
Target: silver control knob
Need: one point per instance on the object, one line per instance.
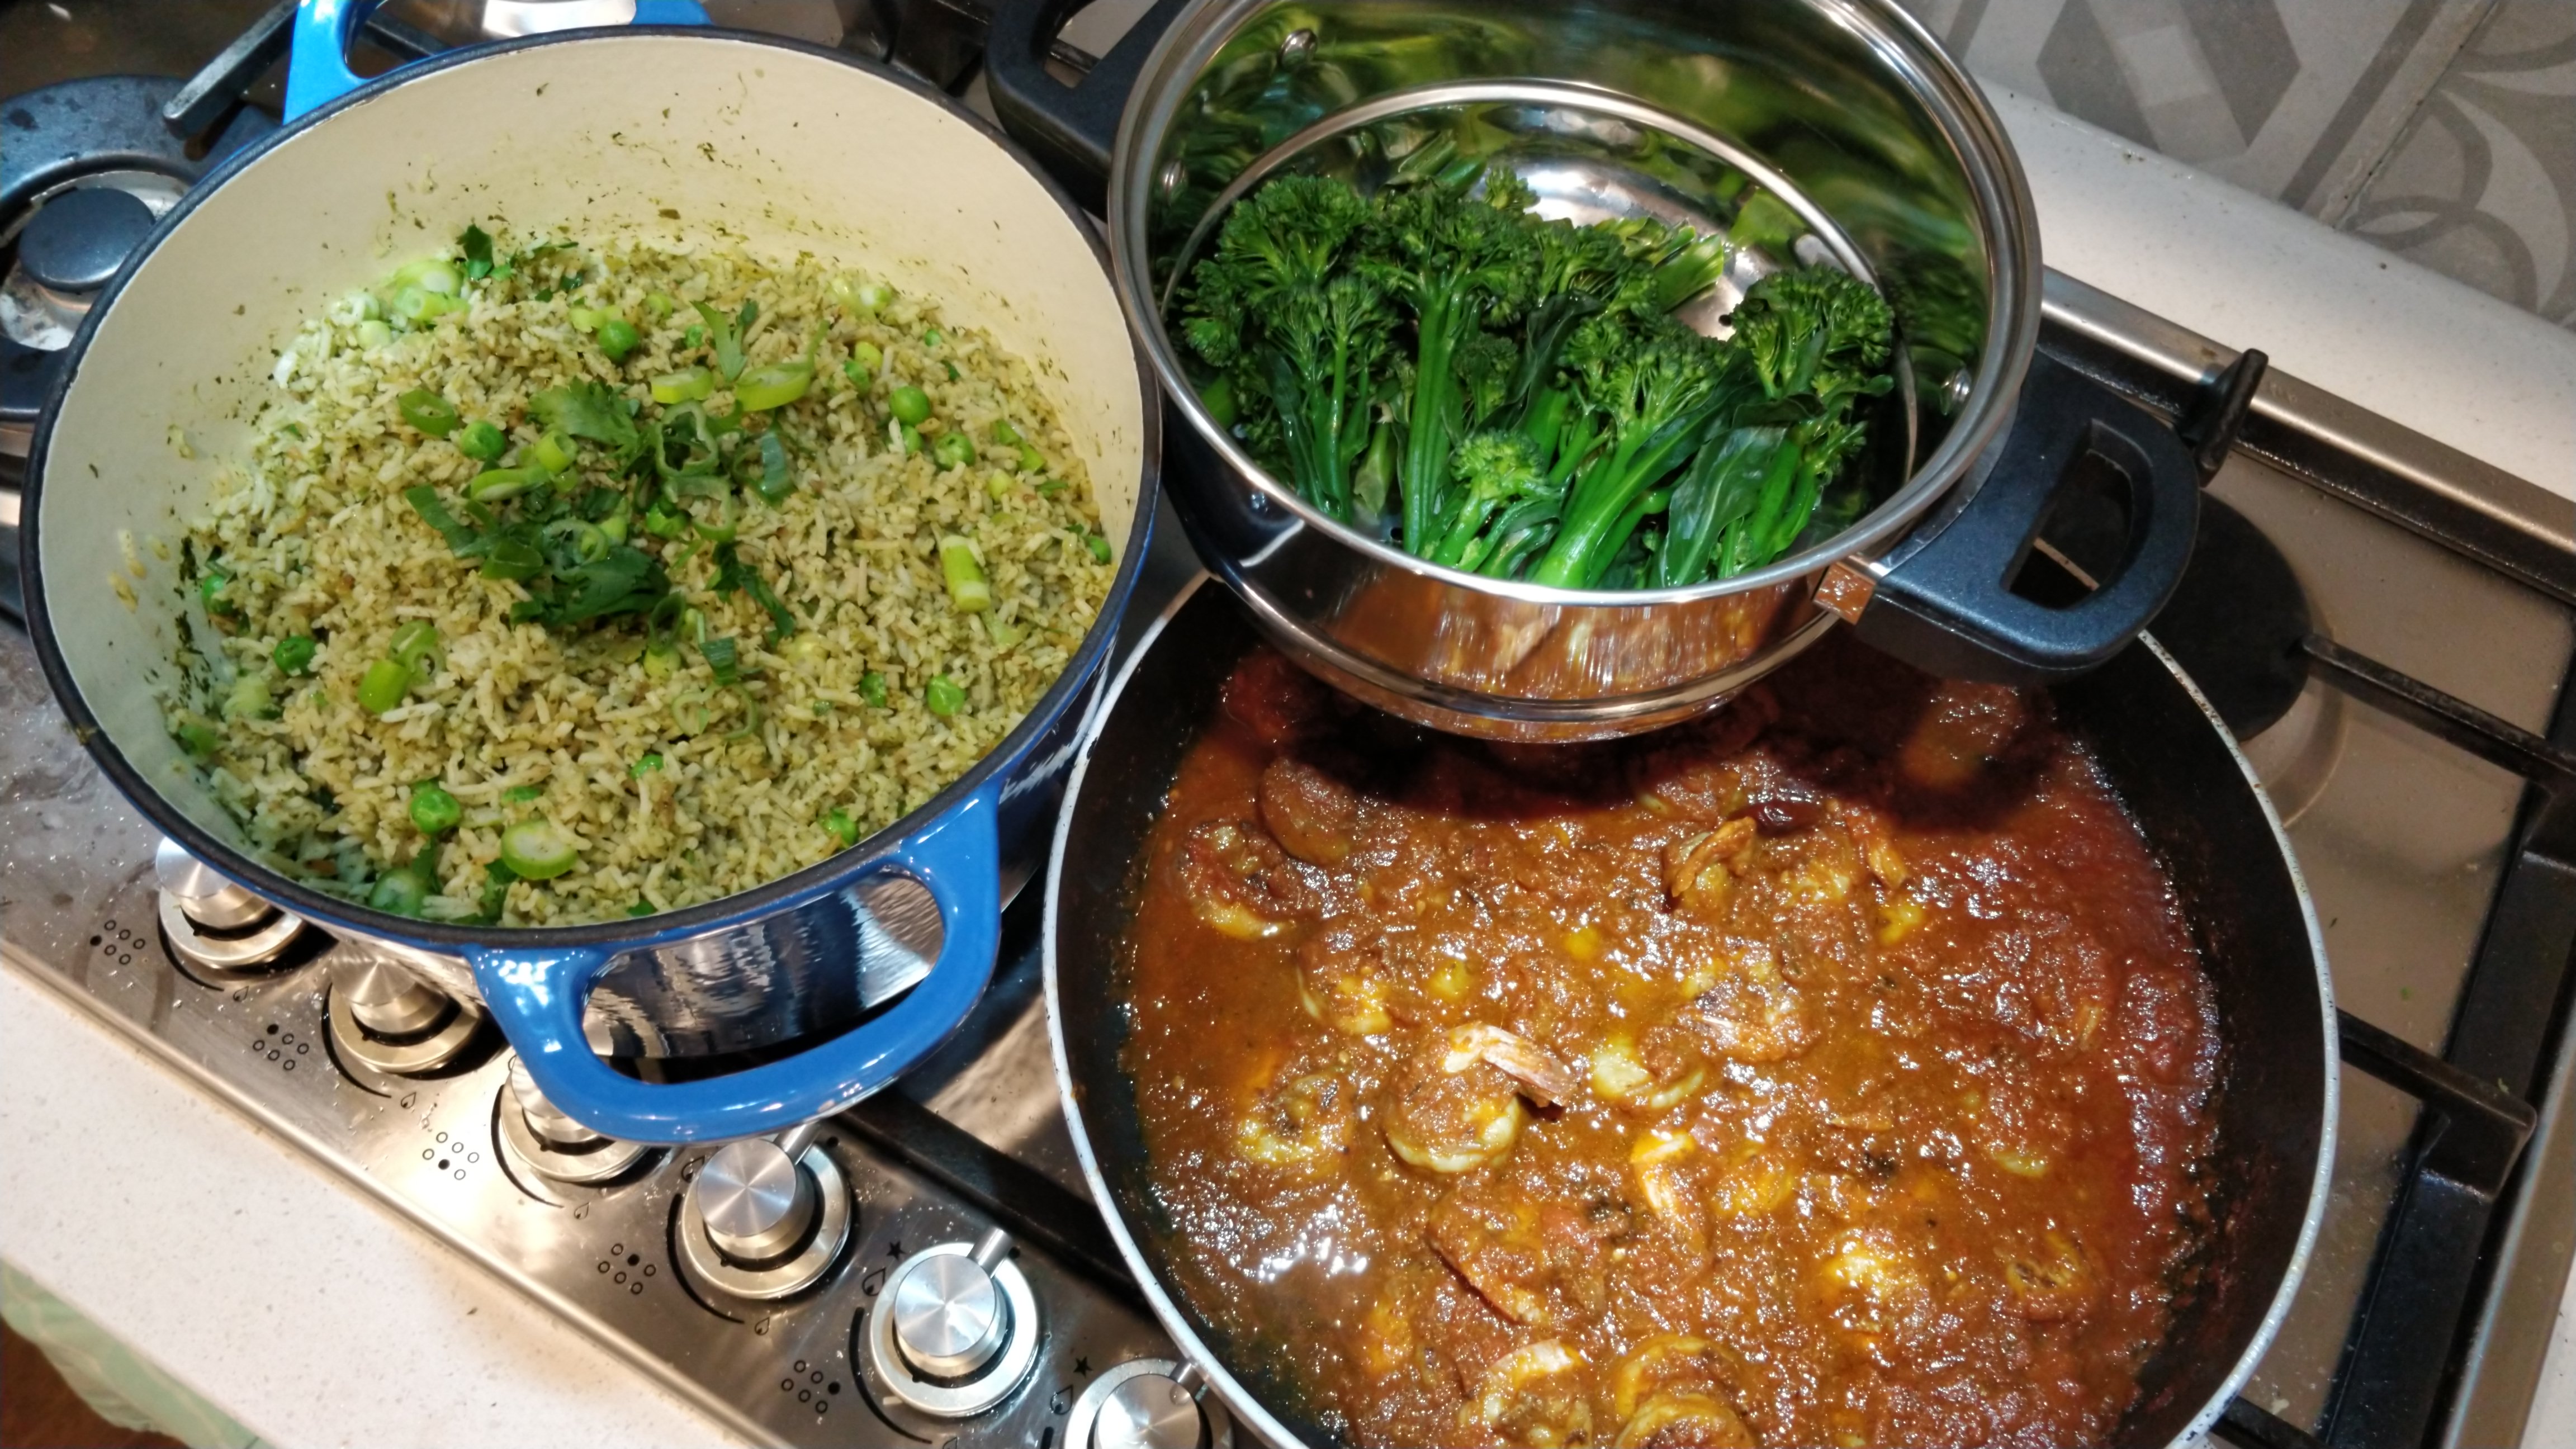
(203, 896)
(544, 1118)
(755, 1200)
(387, 999)
(1148, 1403)
(956, 1330)
(950, 1317)
(1149, 1411)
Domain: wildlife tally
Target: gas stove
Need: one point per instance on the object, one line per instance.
(2388, 623)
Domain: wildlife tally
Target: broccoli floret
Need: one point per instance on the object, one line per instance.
(1656, 386)
(1494, 472)
(1297, 333)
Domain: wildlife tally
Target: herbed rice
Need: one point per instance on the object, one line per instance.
(317, 540)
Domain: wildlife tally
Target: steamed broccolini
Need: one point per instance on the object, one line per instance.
(1514, 389)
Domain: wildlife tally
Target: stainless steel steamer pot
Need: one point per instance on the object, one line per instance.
(790, 147)
(2168, 757)
(1856, 114)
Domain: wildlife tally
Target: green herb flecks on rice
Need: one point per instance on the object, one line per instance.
(451, 570)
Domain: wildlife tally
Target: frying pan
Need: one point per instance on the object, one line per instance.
(2166, 755)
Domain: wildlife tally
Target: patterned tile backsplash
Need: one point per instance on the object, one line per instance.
(2443, 130)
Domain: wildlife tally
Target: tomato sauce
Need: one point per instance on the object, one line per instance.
(1835, 1070)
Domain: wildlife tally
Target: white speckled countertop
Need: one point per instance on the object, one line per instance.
(317, 1318)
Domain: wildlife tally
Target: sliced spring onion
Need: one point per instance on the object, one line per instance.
(617, 337)
(553, 452)
(843, 828)
(1005, 434)
(953, 450)
(641, 907)
(197, 739)
(872, 688)
(661, 657)
(1004, 635)
(373, 333)
(943, 696)
(873, 296)
(482, 442)
(584, 319)
(775, 483)
(432, 809)
(414, 641)
(250, 697)
(969, 592)
(1051, 487)
(522, 794)
(645, 766)
(494, 484)
(430, 273)
(293, 654)
(512, 558)
(659, 304)
(774, 385)
(689, 384)
(865, 360)
(908, 441)
(909, 405)
(428, 412)
(538, 849)
(398, 892)
(589, 541)
(1031, 460)
(998, 485)
(420, 304)
(662, 521)
(383, 686)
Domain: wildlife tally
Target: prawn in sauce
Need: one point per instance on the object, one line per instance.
(1832, 1071)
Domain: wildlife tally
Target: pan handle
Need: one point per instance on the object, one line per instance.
(317, 65)
(1947, 605)
(1070, 129)
(536, 996)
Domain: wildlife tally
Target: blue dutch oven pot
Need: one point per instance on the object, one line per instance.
(791, 147)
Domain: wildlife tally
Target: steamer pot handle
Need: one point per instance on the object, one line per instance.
(317, 67)
(1947, 605)
(1069, 129)
(537, 996)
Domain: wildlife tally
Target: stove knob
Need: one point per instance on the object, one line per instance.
(956, 1330)
(950, 1318)
(544, 1118)
(203, 896)
(75, 242)
(1150, 1411)
(756, 1201)
(387, 999)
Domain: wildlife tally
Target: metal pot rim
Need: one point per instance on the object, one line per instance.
(1997, 183)
(786, 892)
(1241, 1402)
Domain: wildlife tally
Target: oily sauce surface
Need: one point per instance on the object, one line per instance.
(1834, 1071)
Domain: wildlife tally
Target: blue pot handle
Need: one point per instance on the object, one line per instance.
(537, 996)
(317, 65)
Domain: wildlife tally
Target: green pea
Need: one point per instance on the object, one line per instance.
(659, 304)
(843, 828)
(912, 444)
(953, 450)
(428, 412)
(482, 442)
(198, 740)
(933, 337)
(910, 405)
(1099, 547)
(522, 794)
(645, 766)
(293, 654)
(640, 908)
(617, 337)
(434, 810)
(383, 686)
(210, 592)
(943, 696)
(872, 688)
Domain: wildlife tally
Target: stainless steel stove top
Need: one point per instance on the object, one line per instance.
(2439, 860)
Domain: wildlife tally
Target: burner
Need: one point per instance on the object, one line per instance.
(2236, 621)
(1148, 1403)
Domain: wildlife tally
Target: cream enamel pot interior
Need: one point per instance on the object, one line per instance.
(685, 132)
